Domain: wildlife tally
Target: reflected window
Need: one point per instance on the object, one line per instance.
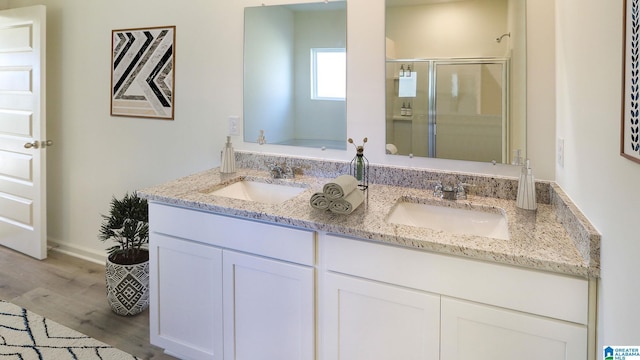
(328, 74)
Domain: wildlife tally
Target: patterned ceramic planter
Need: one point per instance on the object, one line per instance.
(127, 287)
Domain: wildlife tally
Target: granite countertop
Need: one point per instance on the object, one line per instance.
(538, 239)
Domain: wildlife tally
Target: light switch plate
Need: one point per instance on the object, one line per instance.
(560, 152)
(234, 125)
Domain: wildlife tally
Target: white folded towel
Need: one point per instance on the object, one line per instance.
(340, 187)
(347, 204)
(319, 201)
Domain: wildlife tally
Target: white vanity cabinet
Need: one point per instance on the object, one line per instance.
(365, 319)
(473, 331)
(227, 288)
(185, 300)
(268, 308)
(445, 307)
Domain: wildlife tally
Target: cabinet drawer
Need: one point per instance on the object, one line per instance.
(279, 242)
(542, 293)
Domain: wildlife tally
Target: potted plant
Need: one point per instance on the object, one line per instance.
(127, 267)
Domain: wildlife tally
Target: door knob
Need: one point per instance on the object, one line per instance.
(36, 144)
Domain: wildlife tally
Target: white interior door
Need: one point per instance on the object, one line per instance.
(23, 223)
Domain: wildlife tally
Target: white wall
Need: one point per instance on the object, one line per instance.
(541, 92)
(95, 155)
(601, 182)
(268, 73)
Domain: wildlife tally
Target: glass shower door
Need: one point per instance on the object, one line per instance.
(407, 117)
(469, 115)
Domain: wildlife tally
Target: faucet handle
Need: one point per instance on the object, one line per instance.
(461, 193)
(437, 190)
(275, 170)
(288, 172)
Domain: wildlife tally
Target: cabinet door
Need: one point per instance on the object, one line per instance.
(368, 320)
(268, 309)
(186, 302)
(476, 332)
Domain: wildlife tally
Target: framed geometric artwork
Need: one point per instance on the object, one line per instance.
(630, 134)
(142, 72)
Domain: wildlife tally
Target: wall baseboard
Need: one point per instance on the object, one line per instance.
(76, 251)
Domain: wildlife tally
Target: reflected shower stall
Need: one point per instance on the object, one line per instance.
(448, 108)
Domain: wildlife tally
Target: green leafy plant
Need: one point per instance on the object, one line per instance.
(128, 225)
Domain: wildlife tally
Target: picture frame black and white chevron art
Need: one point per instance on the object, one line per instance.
(143, 72)
(630, 128)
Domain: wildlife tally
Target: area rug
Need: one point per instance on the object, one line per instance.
(25, 335)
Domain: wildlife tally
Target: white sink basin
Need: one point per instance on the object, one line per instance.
(453, 220)
(259, 191)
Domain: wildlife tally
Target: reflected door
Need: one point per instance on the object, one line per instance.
(470, 111)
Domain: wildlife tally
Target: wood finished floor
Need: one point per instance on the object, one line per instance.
(71, 291)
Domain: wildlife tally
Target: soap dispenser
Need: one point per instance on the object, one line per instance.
(228, 158)
(526, 198)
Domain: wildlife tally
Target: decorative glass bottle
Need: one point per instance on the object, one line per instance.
(360, 166)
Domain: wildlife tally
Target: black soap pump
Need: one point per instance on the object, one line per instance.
(360, 166)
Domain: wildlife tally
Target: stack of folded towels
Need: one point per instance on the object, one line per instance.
(341, 195)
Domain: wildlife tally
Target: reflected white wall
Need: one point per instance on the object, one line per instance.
(268, 77)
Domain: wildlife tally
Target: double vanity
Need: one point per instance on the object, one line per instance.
(242, 267)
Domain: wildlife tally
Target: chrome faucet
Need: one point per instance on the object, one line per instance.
(283, 171)
(450, 192)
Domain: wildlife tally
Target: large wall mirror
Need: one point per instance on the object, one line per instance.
(456, 79)
(295, 74)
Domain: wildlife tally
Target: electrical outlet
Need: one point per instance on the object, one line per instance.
(560, 152)
(234, 126)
